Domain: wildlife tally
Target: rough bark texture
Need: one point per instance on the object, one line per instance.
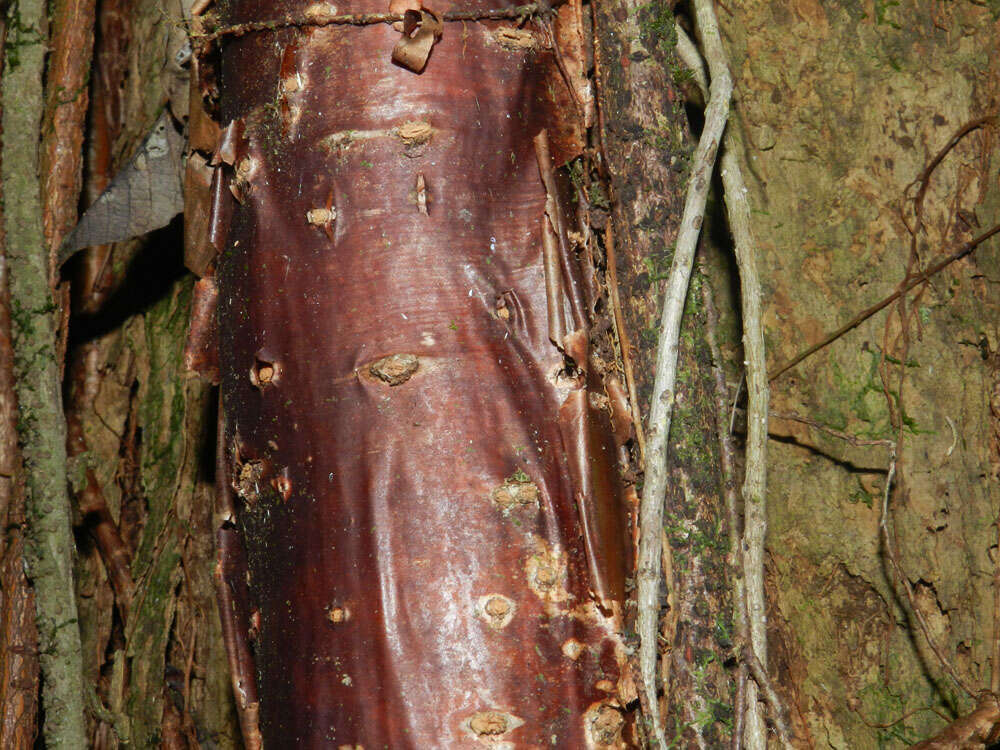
(840, 108)
(19, 671)
(430, 500)
(645, 138)
(36, 367)
(159, 666)
(66, 79)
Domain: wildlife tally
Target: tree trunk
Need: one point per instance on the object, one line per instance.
(422, 447)
(430, 327)
(840, 108)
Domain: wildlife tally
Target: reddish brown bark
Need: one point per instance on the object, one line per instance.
(65, 110)
(85, 380)
(19, 669)
(95, 271)
(422, 450)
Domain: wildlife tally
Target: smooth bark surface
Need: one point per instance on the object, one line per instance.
(430, 501)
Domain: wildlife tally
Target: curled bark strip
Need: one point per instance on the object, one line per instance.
(199, 254)
(421, 29)
(437, 547)
(590, 450)
(201, 351)
(654, 490)
(586, 432)
(557, 221)
(234, 600)
(66, 102)
(551, 228)
(221, 210)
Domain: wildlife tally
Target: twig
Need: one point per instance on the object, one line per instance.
(861, 317)
(772, 698)
(654, 491)
(891, 553)
(319, 19)
(845, 436)
(734, 559)
(623, 340)
(904, 717)
(755, 477)
(924, 179)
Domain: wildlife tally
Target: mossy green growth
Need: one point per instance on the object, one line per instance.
(656, 25)
(165, 457)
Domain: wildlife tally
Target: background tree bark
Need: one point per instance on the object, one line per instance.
(840, 109)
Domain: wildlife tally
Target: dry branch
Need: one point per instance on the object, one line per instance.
(959, 253)
(770, 696)
(661, 408)
(727, 453)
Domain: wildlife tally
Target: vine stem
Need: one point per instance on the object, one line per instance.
(42, 427)
(749, 590)
(654, 491)
(322, 18)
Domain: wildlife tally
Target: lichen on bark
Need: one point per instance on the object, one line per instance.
(647, 143)
(43, 435)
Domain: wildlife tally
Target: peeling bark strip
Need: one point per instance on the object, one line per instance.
(430, 501)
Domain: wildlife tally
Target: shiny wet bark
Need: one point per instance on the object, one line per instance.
(423, 462)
